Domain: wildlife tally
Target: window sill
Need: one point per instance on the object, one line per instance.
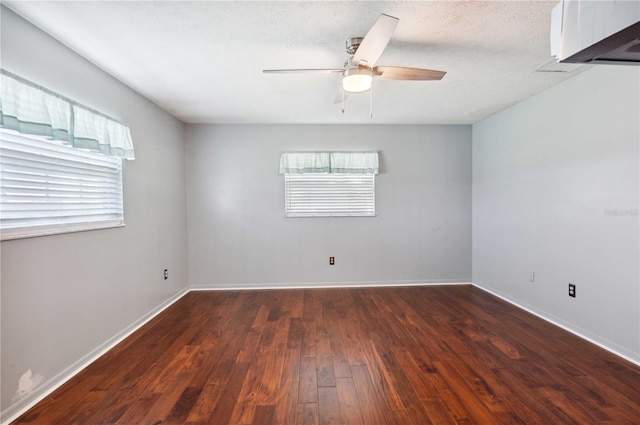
(39, 231)
(330, 216)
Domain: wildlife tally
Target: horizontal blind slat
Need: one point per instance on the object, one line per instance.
(48, 148)
(40, 162)
(59, 177)
(84, 214)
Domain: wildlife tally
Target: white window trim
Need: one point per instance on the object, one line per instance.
(56, 229)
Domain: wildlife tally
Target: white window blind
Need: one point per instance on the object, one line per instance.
(48, 188)
(329, 195)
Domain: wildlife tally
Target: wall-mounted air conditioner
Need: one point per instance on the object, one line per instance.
(595, 32)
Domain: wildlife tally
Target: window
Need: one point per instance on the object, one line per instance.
(329, 184)
(329, 195)
(47, 187)
(60, 163)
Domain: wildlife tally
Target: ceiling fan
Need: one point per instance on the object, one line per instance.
(359, 69)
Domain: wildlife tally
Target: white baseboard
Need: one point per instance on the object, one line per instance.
(321, 285)
(554, 322)
(27, 402)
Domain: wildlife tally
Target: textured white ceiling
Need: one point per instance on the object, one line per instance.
(202, 61)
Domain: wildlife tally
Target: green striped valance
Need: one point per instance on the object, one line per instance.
(30, 109)
(329, 163)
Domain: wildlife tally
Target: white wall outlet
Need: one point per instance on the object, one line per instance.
(532, 277)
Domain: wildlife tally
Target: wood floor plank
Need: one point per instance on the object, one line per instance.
(419, 383)
(287, 398)
(294, 304)
(264, 415)
(92, 399)
(353, 335)
(214, 377)
(296, 331)
(370, 356)
(229, 397)
(248, 351)
(164, 404)
(180, 411)
(348, 400)
(382, 378)
(307, 414)
(455, 404)
(138, 410)
(341, 368)
(253, 392)
(308, 343)
(438, 413)
(402, 385)
(323, 342)
(477, 403)
(325, 374)
(56, 406)
(529, 404)
(394, 417)
(372, 413)
(308, 387)
(206, 402)
(272, 375)
(328, 406)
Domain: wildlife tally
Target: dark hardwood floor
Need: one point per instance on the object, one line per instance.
(420, 355)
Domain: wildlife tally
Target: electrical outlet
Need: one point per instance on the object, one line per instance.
(166, 274)
(572, 290)
(332, 261)
(532, 277)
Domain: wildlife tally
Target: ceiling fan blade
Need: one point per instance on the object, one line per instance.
(376, 40)
(294, 71)
(402, 73)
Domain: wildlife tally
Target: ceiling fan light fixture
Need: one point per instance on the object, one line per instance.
(357, 80)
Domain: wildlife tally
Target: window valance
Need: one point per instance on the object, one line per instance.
(329, 163)
(30, 109)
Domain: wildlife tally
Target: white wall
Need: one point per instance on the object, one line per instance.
(65, 295)
(238, 235)
(555, 191)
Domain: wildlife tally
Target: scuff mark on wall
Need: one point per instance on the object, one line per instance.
(27, 383)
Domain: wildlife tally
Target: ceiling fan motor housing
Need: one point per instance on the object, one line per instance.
(352, 44)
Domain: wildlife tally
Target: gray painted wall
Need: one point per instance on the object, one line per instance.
(238, 235)
(555, 191)
(64, 295)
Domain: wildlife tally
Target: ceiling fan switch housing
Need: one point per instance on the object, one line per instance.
(353, 44)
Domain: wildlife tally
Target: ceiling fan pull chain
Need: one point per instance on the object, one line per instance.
(371, 102)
